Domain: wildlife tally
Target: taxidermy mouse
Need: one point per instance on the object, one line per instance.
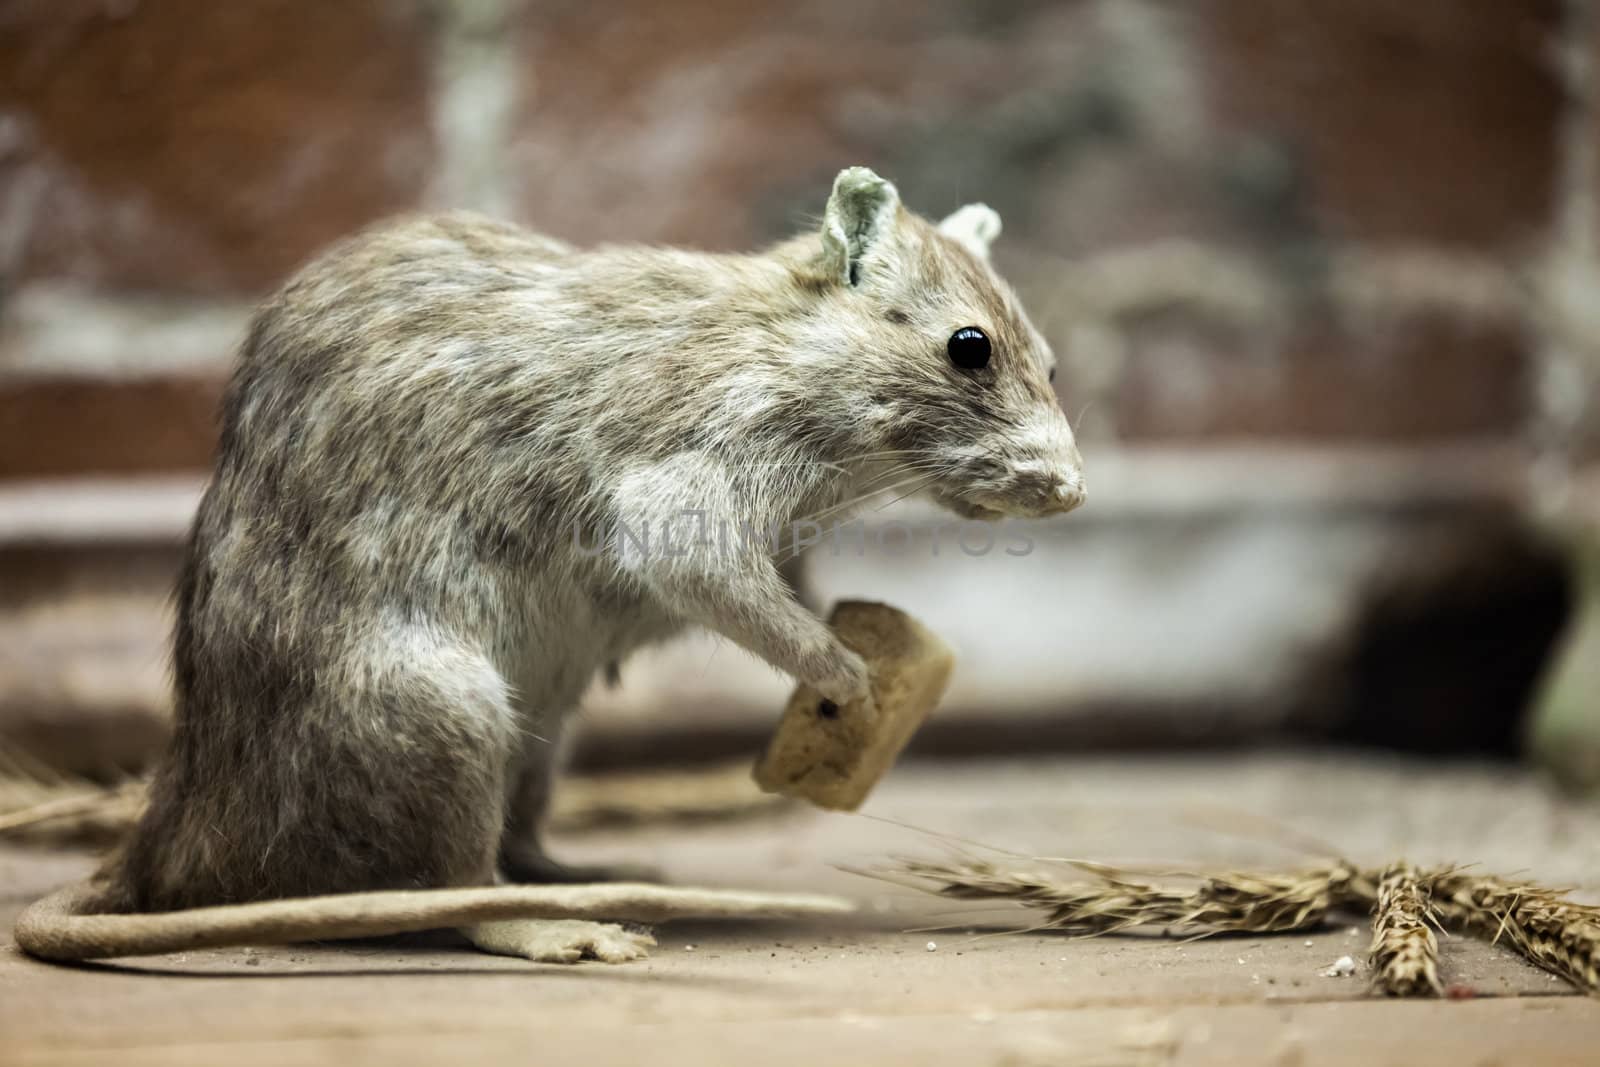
(392, 598)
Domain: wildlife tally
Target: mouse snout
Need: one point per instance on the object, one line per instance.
(1057, 484)
(1034, 486)
(1024, 475)
(1051, 479)
(1066, 488)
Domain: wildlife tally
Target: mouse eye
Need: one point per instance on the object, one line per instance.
(969, 348)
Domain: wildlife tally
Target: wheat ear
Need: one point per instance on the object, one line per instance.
(1115, 900)
(1540, 924)
(76, 811)
(1405, 953)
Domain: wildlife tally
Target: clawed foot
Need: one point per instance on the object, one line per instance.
(561, 940)
(839, 675)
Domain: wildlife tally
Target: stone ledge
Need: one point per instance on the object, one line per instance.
(1224, 479)
(1197, 600)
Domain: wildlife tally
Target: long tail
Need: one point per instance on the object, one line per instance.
(64, 927)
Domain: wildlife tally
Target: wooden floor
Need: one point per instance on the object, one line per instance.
(879, 987)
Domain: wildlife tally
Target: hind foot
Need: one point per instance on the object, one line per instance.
(561, 940)
(530, 866)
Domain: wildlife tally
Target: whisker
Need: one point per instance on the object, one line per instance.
(917, 484)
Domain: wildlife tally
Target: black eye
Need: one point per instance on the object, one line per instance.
(969, 348)
(1052, 375)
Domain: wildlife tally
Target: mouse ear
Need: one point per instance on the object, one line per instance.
(860, 213)
(974, 226)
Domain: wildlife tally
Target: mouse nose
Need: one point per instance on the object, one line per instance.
(1066, 487)
(1066, 493)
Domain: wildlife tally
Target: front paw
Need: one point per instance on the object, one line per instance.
(841, 677)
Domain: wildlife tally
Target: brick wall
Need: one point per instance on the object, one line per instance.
(162, 161)
(1368, 228)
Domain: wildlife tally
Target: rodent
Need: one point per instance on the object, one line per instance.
(384, 619)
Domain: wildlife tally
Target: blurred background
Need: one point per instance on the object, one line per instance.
(1324, 280)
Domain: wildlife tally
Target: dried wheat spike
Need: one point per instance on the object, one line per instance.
(78, 812)
(1404, 954)
(68, 812)
(1548, 930)
(1219, 903)
(623, 798)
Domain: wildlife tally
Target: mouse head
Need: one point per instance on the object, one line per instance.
(946, 373)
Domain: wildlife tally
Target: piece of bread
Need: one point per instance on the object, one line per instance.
(832, 755)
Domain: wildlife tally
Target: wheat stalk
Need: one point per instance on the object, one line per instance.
(1405, 954)
(47, 809)
(1543, 926)
(41, 805)
(1539, 923)
(69, 813)
(1116, 901)
(630, 798)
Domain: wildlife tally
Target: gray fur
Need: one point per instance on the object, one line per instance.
(385, 621)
